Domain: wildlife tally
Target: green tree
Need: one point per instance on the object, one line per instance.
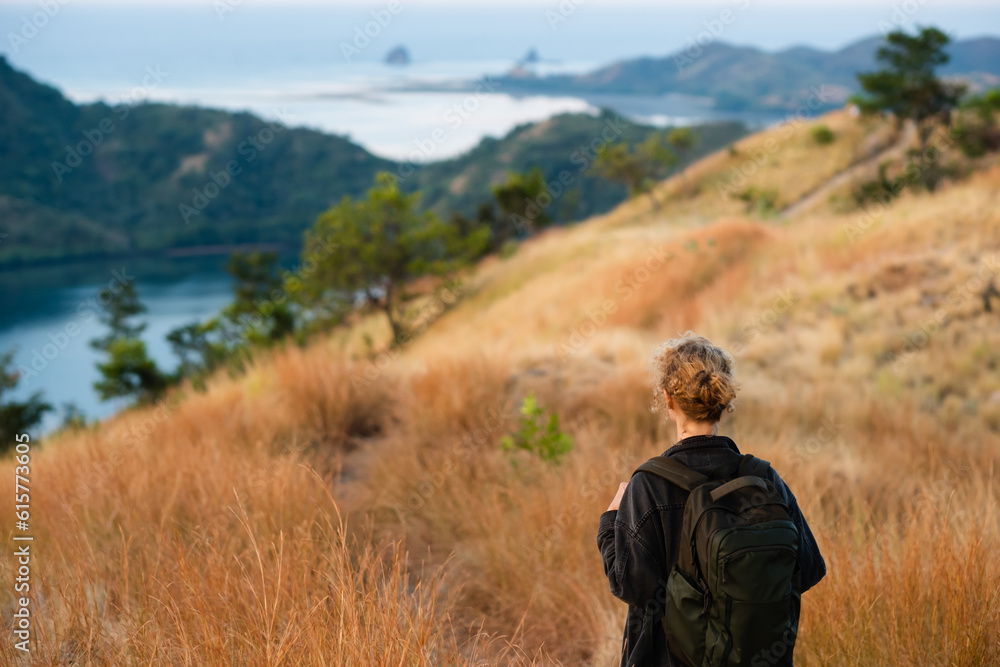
(260, 308)
(524, 200)
(200, 347)
(124, 305)
(617, 163)
(16, 416)
(640, 167)
(486, 222)
(375, 247)
(683, 140)
(657, 155)
(128, 371)
(907, 86)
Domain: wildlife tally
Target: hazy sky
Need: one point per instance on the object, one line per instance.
(542, 4)
(104, 40)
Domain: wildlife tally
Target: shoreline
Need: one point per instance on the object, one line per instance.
(216, 250)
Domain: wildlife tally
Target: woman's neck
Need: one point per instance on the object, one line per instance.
(691, 429)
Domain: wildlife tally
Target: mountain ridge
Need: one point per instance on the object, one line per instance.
(741, 77)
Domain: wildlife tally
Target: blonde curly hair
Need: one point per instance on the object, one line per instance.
(696, 374)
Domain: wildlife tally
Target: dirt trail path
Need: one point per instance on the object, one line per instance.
(852, 171)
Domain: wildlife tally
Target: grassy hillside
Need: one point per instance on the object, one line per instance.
(334, 507)
(94, 180)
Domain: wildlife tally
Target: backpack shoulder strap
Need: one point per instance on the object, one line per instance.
(673, 471)
(754, 467)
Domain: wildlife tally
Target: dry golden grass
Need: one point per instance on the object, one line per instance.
(199, 533)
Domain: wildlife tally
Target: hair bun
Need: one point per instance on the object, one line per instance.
(697, 375)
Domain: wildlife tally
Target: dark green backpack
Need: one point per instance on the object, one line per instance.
(733, 596)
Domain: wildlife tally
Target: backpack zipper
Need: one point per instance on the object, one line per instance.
(740, 552)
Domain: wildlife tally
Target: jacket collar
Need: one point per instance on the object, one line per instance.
(699, 441)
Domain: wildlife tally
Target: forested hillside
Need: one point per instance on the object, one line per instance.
(94, 180)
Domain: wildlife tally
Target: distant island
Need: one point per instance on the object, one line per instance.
(398, 56)
(530, 58)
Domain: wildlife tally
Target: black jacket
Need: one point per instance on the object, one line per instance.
(639, 541)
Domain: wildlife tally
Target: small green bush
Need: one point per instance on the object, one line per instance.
(822, 135)
(761, 201)
(538, 435)
(508, 249)
(881, 190)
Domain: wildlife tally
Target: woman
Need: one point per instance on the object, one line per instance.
(640, 532)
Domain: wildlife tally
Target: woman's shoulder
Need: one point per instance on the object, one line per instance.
(650, 490)
(775, 478)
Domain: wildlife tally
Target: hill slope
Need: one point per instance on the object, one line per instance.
(866, 348)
